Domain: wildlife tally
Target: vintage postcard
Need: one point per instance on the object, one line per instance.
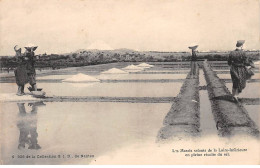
(129, 82)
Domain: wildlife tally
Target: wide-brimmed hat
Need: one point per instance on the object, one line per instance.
(30, 47)
(240, 43)
(193, 47)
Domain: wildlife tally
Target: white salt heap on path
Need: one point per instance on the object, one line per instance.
(81, 78)
(114, 71)
(145, 65)
(132, 67)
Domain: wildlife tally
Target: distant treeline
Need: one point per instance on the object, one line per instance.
(93, 57)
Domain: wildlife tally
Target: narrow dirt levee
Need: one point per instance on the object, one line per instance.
(183, 119)
(230, 116)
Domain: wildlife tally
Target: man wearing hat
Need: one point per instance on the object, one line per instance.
(25, 71)
(239, 71)
(193, 60)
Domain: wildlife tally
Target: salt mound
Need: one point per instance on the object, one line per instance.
(114, 71)
(81, 78)
(144, 65)
(133, 67)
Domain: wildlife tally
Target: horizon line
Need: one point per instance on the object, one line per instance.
(202, 51)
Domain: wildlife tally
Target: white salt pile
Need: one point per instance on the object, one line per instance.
(132, 67)
(145, 65)
(114, 71)
(81, 78)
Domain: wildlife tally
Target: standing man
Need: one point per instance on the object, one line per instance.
(25, 71)
(239, 64)
(29, 54)
(193, 60)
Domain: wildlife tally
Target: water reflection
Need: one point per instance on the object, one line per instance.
(27, 125)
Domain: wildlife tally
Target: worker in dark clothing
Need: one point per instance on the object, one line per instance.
(240, 68)
(193, 61)
(20, 71)
(194, 55)
(25, 71)
(30, 66)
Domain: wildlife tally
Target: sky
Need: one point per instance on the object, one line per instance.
(63, 26)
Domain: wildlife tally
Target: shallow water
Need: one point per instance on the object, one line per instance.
(101, 128)
(114, 89)
(207, 122)
(254, 113)
(142, 76)
(163, 70)
(79, 128)
(251, 90)
(227, 76)
(123, 76)
(55, 77)
(104, 89)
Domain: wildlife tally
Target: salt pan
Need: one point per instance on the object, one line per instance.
(145, 65)
(132, 67)
(81, 78)
(14, 97)
(114, 71)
